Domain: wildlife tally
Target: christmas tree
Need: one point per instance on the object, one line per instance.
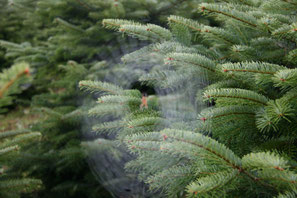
(244, 143)
(12, 184)
(57, 158)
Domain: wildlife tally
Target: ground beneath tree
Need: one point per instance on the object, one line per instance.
(19, 118)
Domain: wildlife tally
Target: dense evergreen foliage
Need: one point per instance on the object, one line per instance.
(202, 104)
(244, 145)
(12, 184)
(64, 42)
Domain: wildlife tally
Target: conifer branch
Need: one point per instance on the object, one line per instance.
(186, 22)
(7, 150)
(115, 24)
(12, 75)
(219, 112)
(192, 59)
(219, 33)
(68, 25)
(8, 134)
(286, 78)
(8, 44)
(11, 82)
(238, 94)
(100, 87)
(20, 183)
(221, 10)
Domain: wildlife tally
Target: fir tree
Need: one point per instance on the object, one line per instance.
(242, 146)
(13, 184)
(57, 158)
